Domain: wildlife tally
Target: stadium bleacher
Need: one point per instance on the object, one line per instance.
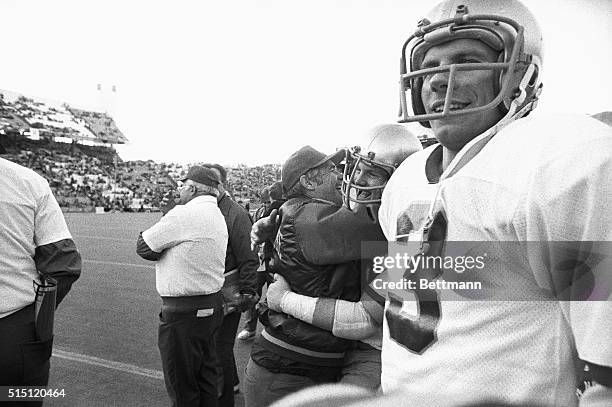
(84, 177)
(74, 150)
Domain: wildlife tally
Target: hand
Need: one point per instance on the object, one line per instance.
(264, 229)
(242, 302)
(168, 202)
(276, 292)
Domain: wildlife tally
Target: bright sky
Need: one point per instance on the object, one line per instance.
(252, 81)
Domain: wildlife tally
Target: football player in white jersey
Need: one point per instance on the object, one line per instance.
(534, 191)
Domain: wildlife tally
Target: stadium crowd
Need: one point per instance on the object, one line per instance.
(85, 177)
(73, 149)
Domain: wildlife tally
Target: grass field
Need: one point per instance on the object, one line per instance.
(105, 348)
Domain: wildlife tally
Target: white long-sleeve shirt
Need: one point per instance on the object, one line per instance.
(193, 240)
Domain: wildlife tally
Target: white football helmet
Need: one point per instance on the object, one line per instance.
(387, 147)
(506, 26)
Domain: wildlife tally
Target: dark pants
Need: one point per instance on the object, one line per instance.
(226, 336)
(189, 355)
(262, 387)
(262, 278)
(24, 361)
(362, 366)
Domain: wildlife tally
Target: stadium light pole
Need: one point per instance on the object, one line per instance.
(107, 103)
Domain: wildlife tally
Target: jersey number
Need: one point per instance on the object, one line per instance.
(418, 334)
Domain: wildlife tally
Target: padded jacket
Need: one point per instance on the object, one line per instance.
(318, 251)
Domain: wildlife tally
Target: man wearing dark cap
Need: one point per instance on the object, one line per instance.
(239, 286)
(290, 355)
(189, 245)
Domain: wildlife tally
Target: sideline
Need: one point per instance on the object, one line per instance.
(115, 263)
(114, 239)
(110, 364)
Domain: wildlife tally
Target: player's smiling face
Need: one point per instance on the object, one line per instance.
(471, 89)
(370, 176)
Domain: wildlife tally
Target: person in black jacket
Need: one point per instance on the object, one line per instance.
(290, 354)
(239, 287)
(275, 200)
(367, 169)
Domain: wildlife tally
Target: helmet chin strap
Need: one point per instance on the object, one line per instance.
(515, 111)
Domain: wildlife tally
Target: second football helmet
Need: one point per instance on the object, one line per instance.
(387, 147)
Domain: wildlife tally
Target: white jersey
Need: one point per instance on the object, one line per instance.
(408, 194)
(538, 180)
(29, 217)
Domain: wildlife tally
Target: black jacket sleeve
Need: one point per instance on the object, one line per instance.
(144, 251)
(247, 261)
(333, 234)
(61, 261)
(274, 205)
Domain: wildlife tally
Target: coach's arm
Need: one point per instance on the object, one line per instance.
(61, 261)
(144, 251)
(241, 256)
(55, 254)
(332, 234)
(165, 234)
(345, 319)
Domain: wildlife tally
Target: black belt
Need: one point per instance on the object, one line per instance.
(191, 303)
